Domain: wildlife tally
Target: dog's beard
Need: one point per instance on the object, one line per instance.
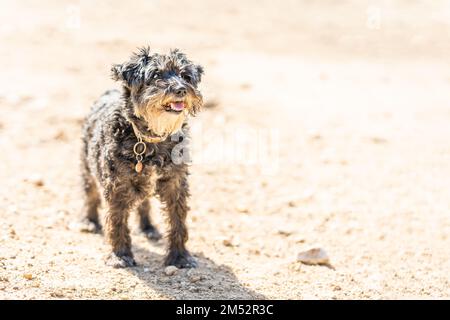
(159, 121)
(162, 122)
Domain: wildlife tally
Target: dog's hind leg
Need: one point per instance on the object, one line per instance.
(90, 221)
(145, 224)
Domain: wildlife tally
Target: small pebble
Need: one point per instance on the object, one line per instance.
(314, 256)
(284, 232)
(28, 276)
(195, 278)
(299, 240)
(242, 208)
(193, 289)
(36, 180)
(227, 243)
(57, 294)
(13, 234)
(170, 270)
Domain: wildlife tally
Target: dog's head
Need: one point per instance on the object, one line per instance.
(162, 88)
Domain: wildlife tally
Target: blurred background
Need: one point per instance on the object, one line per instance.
(326, 127)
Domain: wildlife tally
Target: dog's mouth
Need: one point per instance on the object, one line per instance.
(175, 106)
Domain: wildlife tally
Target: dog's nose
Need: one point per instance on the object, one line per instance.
(180, 91)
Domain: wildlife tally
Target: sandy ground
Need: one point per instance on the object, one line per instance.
(330, 129)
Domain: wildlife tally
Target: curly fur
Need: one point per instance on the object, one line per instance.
(149, 83)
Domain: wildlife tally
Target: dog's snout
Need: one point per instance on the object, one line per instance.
(180, 91)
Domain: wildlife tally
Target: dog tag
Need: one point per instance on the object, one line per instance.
(138, 167)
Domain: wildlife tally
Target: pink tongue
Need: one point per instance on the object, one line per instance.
(177, 106)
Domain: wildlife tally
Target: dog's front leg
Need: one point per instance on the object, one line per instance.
(117, 231)
(173, 192)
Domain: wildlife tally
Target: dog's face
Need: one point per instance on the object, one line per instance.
(162, 88)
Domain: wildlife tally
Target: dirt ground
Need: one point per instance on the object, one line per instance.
(328, 127)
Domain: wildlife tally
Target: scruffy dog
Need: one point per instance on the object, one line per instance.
(131, 151)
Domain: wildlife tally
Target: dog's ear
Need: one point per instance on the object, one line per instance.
(200, 72)
(132, 72)
(128, 73)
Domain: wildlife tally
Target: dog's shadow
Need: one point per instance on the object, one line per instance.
(208, 281)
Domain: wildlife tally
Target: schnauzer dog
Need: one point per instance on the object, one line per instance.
(129, 145)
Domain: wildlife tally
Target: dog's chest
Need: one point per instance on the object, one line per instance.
(144, 163)
(144, 182)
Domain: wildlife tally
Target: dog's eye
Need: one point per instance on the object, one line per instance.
(186, 77)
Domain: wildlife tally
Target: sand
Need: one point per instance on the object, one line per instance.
(327, 128)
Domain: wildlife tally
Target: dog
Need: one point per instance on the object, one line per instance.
(130, 152)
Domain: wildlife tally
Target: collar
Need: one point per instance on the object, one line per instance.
(142, 137)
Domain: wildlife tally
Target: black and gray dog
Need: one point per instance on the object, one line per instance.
(129, 149)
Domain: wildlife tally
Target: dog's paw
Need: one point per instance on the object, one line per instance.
(87, 226)
(116, 261)
(152, 233)
(181, 260)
